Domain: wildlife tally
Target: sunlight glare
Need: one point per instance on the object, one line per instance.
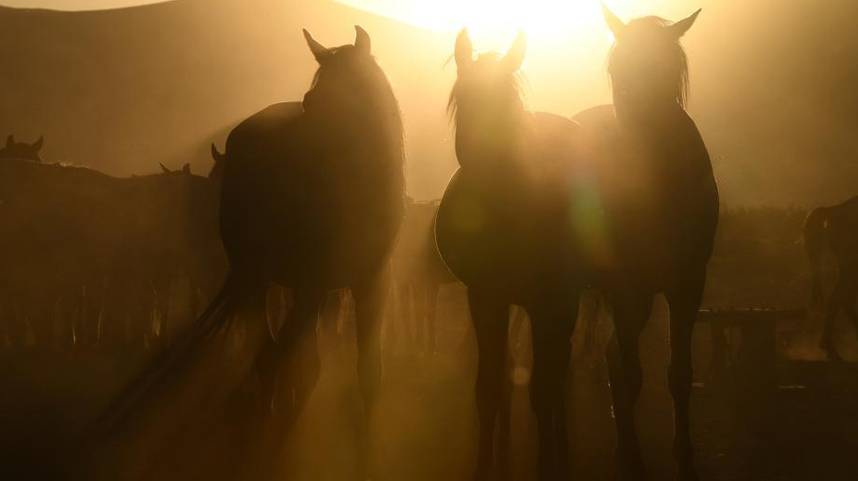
(494, 22)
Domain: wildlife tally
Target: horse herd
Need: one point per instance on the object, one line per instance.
(89, 258)
(622, 198)
(81, 278)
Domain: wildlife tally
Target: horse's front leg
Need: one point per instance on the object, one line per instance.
(684, 301)
(552, 321)
(631, 311)
(490, 318)
(370, 298)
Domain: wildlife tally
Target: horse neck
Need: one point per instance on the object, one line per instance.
(503, 148)
(655, 121)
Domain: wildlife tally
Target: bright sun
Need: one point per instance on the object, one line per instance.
(494, 22)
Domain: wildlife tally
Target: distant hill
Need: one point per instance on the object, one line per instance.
(774, 86)
(121, 90)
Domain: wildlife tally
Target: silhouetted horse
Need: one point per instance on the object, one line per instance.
(22, 150)
(312, 199)
(660, 212)
(418, 273)
(503, 229)
(834, 230)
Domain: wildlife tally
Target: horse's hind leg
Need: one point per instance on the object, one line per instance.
(684, 303)
(490, 318)
(553, 322)
(290, 364)
(631, 311)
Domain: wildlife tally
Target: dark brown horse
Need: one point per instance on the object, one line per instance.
(503, 229)
(834, 230)
(312, 199)
(659, 215)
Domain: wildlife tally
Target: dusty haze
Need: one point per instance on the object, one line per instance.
(772, 85)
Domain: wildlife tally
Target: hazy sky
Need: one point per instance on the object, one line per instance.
(74, 4)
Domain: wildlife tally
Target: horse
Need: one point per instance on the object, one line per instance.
(419, 272)
(660, 210)
(312, 197)
(502, 228)
(22, 150)
(834, 230)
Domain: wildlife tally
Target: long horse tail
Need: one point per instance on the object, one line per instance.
(815, 242)
(174, 362)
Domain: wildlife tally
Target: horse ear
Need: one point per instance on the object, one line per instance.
(216, 155)
(164, 168)
(362, 41)
(464, 50)
(679, 28)
(515, 56)
(186, 169)
(614, 23)
(37, 145)
(320, 52)
(10, 141)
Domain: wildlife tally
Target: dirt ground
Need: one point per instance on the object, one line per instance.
(424, 426)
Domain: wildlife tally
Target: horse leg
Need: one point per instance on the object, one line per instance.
(631, 312)
(370, 297)
(553, 322)
(301, 365)
(490, 318)
(850, 297)
(833, 306)
(431, 312)
(684, 301)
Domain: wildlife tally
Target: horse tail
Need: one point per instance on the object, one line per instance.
(815, 236)
(174, 362)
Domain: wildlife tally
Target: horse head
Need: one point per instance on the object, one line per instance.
(349, 91)
(486, 99)
(22, 150)
(647, 65)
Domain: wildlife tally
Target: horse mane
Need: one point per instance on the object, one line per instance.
(681, 83)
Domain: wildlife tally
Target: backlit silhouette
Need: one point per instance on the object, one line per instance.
(312, 198)
(661, 206)
(834, 230)
(22, 150)
(502, 229)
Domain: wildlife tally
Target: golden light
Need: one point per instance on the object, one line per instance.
(493, 23)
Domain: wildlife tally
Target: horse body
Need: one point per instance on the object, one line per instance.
(657, 193)
(301, 227)
(834, 230)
